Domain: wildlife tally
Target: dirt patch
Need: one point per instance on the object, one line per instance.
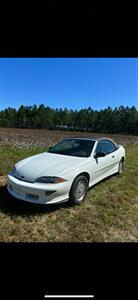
(3, 180)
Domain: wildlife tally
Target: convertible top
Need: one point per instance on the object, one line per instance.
(89, 138)
(92, 139)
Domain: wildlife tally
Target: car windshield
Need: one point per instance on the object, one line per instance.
(73, 147)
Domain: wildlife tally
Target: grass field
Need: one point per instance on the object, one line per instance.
(108, 214)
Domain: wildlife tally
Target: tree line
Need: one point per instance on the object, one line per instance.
(122, 119)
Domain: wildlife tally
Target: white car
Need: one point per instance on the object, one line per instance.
(66, 171)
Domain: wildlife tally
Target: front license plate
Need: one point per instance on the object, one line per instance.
(32, 196)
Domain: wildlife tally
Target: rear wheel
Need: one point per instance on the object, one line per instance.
(78, 190)
(121, 166)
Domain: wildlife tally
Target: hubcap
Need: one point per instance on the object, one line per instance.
(80, 190)
(120, 167)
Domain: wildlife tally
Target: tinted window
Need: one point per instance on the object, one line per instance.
(73, 147)
(106, 147)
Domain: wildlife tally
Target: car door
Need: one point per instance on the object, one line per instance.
(104, 166)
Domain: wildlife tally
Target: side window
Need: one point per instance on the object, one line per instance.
(100, 147)
(109, 147)
(106, 147)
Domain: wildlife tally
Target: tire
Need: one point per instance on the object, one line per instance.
(78, 190)
(121, 167)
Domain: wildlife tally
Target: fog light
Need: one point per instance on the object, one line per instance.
(48, 193)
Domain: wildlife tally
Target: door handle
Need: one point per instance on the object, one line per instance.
(113, 156)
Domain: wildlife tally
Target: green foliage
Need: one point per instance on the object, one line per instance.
(120, 120)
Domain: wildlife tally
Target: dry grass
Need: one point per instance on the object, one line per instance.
(108, 214)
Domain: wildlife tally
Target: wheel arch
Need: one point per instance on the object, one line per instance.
(84, 174)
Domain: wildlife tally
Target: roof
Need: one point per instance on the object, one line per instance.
(81, 138)
(91, 138)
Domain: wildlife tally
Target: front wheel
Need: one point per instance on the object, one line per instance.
(78, 190)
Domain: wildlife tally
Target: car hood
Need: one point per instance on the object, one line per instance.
(46, 164)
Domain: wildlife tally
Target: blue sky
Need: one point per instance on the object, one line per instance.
(74, 83)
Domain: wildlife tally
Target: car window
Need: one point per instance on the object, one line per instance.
(106, 147)
(100, 147)
(68, 144)
(73, 147)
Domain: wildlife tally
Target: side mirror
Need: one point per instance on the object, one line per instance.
(50, 148)
(99, 154)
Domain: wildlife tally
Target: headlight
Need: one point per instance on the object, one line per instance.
(49, 179)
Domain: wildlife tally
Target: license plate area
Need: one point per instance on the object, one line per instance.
(32, 196)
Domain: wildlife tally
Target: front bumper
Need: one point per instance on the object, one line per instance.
(39, 193)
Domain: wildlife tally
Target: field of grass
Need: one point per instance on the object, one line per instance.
(108, 214)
